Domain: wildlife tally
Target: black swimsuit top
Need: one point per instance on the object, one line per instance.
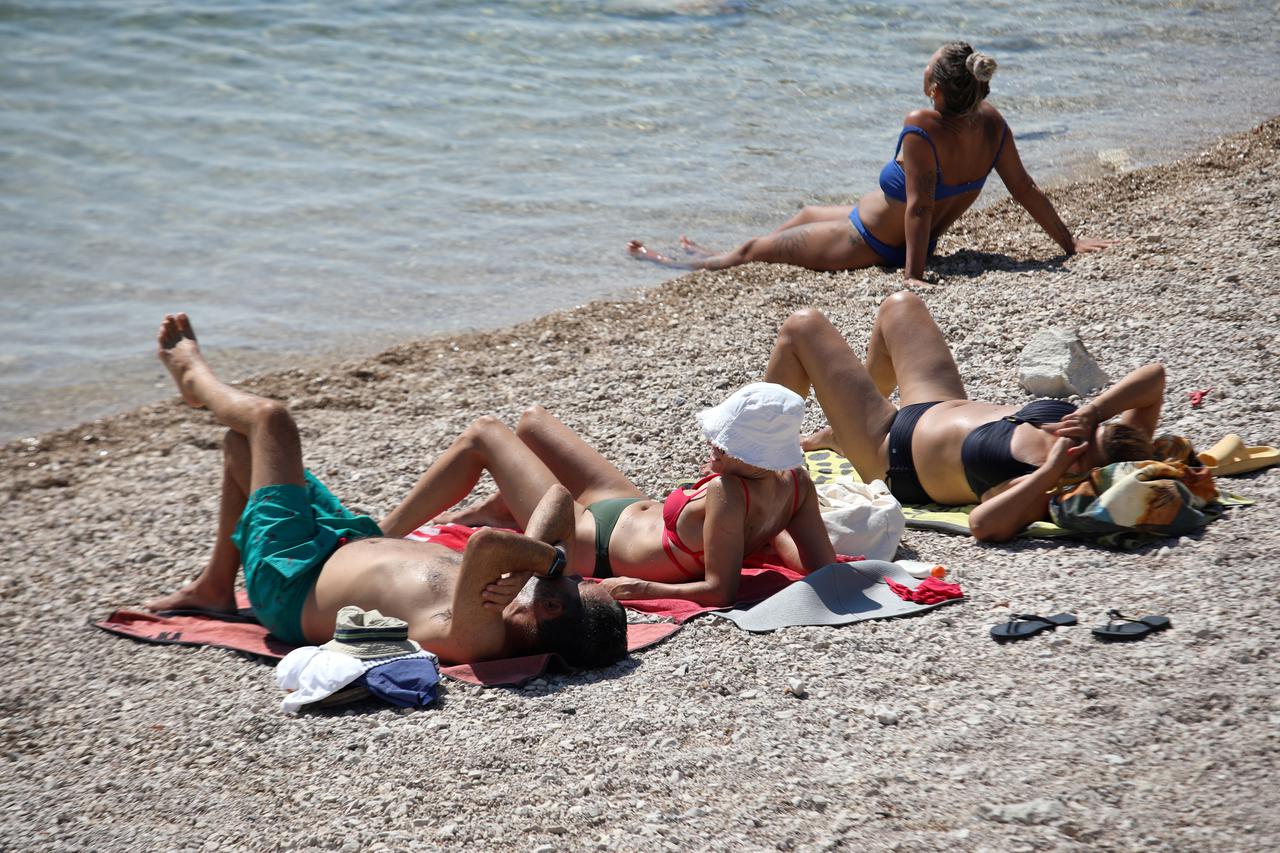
(985, 454)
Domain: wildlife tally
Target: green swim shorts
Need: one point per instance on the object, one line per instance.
(285, 535)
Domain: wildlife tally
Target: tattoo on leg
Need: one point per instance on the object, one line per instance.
(791, 243)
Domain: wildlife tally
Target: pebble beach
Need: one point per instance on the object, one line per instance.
(915, 734)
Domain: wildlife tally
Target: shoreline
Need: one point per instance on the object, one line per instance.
(265, 363)
(1055, 743)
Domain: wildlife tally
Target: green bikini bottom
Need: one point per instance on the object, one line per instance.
(606, 513)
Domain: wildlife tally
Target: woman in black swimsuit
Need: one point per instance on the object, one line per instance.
(940, 446)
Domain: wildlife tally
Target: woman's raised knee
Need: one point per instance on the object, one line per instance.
(482, 431)
(904, 303)
(804, 324)
(530, 418)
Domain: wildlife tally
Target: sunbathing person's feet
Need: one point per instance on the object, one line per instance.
(491, 512)
(695, 248)
(641, 252)
(193, 597)
(823, 439)
(180, 354)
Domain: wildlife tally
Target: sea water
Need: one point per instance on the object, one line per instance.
(312, 180)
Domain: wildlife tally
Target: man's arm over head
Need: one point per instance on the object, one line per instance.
(477, 633)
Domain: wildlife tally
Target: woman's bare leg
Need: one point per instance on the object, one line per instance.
(807, 214)
(214, 589)
(823, 246)
(486, 445)
(810, 352)
(907, 351)
(811, 213)
(587, 475)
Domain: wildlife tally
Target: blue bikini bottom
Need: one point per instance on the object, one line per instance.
(894, 256)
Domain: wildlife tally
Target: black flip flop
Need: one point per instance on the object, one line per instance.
(1023, 625)
(1121, 627)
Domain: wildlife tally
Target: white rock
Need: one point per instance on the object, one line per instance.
(1031, 813)
(1056, 364)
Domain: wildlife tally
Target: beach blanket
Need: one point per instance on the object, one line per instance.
(843, 593)
(241, 632)
(760, 578)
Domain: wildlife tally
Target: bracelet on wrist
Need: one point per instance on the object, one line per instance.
(558, 561)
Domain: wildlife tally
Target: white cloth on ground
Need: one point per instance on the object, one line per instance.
(862, 518)
(312, 673)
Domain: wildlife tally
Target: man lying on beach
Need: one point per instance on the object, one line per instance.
(305, 556)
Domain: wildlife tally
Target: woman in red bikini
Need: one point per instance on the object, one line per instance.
(943, 158)
(691, 545)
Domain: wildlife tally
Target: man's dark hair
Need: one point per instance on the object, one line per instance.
(589, 633)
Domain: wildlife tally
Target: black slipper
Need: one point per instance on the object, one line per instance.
(1122, 627)
(1022, 625)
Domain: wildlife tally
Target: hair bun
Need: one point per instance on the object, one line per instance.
(981, 66)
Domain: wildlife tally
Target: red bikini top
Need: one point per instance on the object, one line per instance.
(679, 499)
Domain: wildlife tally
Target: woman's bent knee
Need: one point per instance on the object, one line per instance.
(903, 302)
(483, 431)
(530, 418)
(804, 324)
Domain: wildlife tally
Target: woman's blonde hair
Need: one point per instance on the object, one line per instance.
(963, 75)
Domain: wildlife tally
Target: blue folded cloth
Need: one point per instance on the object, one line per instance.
(404, 682)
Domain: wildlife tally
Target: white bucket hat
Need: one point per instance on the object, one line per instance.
(759, 424)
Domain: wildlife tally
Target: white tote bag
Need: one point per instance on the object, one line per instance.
(862, 518)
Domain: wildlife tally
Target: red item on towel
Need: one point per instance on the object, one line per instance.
(931, 590)
(760, 579)
(1197, 397)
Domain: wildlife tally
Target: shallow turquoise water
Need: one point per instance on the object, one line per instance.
(309, 179)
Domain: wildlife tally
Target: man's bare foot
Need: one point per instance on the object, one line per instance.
(695, 248)
(180, 354)
(193, 597)
(641, 252)
(823, 439)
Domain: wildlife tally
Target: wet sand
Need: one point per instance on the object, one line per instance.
(1056, 743)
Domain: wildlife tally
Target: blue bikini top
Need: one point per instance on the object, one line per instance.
(986, 455)
(893, 180)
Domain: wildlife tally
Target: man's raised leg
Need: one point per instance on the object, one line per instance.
(261, 449)
(274, 447)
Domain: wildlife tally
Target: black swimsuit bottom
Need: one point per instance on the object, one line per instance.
(985, 453)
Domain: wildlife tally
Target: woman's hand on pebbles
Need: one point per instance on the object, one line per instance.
(1082, 246)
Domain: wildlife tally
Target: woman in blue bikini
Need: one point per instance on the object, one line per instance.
(939, 446)
(943, 158)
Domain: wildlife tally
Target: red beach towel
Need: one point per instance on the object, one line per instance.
(242, 633)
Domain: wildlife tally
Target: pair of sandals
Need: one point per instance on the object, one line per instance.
(1119, 627)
